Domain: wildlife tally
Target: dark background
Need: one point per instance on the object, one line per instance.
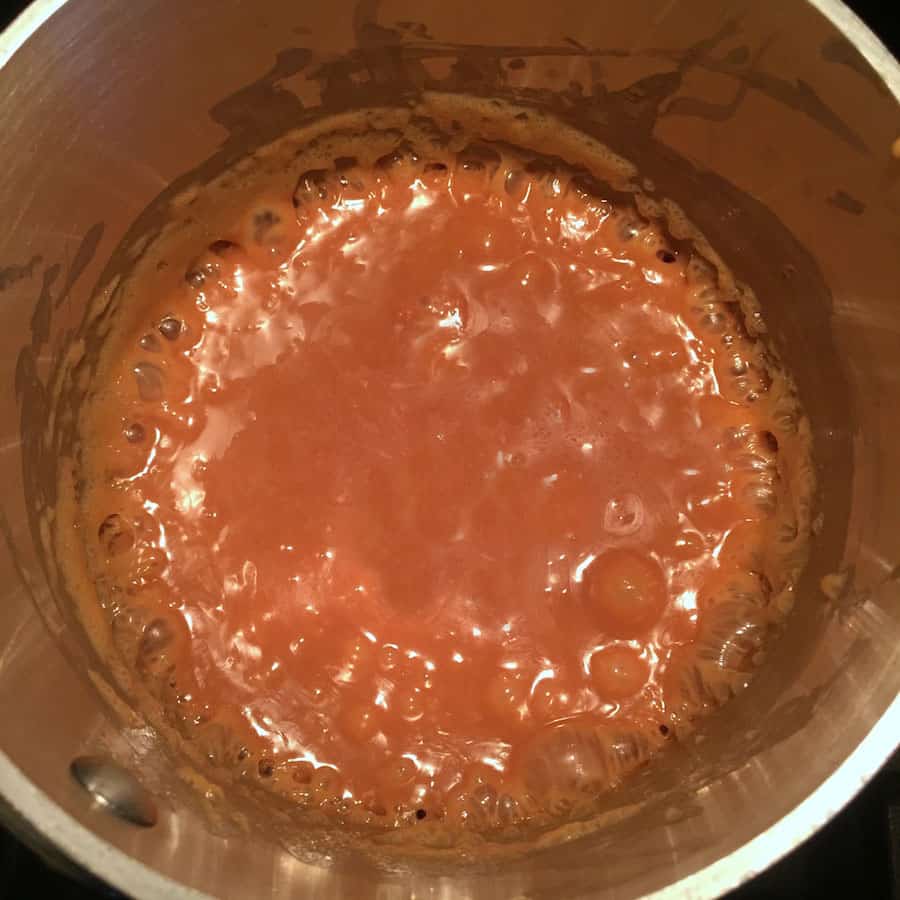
(882, 16)
(857, 855)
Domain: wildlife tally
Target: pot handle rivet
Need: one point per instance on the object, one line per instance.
(115, 789)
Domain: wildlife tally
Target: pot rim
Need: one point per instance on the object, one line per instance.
(99, 857)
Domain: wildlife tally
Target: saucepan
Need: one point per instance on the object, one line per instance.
(774, 125)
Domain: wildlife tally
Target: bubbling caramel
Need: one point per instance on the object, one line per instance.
(440, 485)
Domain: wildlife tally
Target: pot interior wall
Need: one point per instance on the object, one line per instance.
(762, 120)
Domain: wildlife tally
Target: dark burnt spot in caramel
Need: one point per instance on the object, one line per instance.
(170, 328)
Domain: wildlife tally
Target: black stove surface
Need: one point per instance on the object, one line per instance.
(856, 855)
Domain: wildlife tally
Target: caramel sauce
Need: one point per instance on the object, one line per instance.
(445, 487)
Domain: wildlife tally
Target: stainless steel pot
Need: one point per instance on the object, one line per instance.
(774, 124)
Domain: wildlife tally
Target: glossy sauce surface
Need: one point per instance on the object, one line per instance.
(442, 489)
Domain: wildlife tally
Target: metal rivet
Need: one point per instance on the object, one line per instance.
(115, 789)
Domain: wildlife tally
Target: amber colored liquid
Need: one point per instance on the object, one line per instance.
(442, 495)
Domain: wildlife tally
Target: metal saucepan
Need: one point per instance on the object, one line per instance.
(774, 125)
